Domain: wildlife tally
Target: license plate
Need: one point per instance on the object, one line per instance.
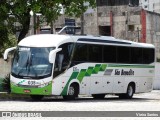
(27, 91)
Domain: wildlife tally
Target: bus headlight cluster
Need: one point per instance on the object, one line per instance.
(43, 85)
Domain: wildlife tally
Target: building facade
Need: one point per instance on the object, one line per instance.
(129, 21)
(151, 5)
(122, 19)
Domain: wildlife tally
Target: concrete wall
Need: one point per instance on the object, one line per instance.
(90, 23)
(156, 84)
(4, 70)
(4, 67)
(123, 16)
(153, 30)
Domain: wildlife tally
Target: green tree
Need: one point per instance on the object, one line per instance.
(50, 10)
(3, 29)
(6, 38)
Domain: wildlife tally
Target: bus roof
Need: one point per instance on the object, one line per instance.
(54, 40)
(45, 40)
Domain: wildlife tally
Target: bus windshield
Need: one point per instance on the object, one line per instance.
(32, 62)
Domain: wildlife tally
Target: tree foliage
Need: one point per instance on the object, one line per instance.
(6, 39)
(19, 11)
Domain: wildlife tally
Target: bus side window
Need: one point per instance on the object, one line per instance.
(123, 54)
(136, 56)
(95, 53)
(109, 54)
(80, 54)
(148, 55)
(58, 62)
(63, 58)
(66, 52)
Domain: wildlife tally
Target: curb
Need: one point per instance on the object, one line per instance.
(7, 96)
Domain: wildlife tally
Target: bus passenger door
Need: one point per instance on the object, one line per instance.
(118, 85)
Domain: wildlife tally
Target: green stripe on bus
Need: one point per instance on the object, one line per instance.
(96, 69)
(84, 73)
(81, 75)
(73, 76)
(103, 67)
(89, 71)
(131, 66)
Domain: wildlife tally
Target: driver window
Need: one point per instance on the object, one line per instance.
(63, 58)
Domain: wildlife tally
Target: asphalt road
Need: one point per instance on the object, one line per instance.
(140, 102)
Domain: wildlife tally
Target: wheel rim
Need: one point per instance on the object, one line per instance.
(130, 91)
(71, 90)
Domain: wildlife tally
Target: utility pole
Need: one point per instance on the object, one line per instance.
(82, 20)
(52, 27)
(126, 13)
(82, 24)
(138, 33)
(34, 22)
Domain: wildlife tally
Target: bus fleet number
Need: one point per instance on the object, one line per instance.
(31, 82)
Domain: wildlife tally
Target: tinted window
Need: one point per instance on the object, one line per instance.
(123, 54)
(66, 51)
(148, 55)
(95, 53)
(136, 56)
(81, 52)
(109, 54)
(63, 58)
(112, 54)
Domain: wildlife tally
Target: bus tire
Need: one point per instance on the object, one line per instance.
(36, 97)
(98, 96)
(129, 93)
(73, 92)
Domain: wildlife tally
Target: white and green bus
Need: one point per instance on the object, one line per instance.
(70, 65)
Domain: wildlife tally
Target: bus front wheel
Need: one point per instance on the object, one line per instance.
(73, 92)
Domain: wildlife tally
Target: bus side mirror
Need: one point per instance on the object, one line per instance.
(5, 56)
(52, 54)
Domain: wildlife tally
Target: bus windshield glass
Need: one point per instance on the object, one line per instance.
(32, 62)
